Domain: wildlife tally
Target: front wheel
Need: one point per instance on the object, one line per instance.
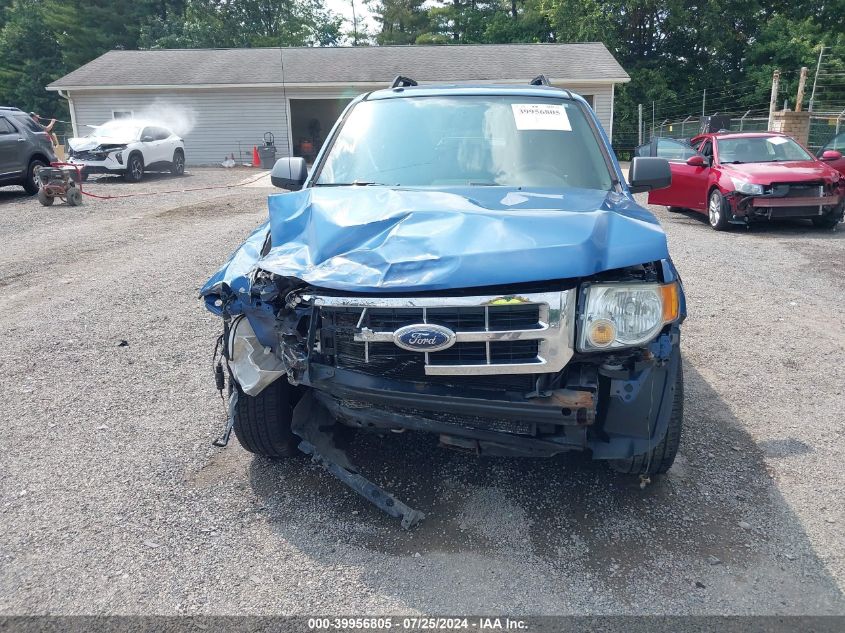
(829, 221)
(45, 199)
(73, 196)
(177, 166)
(262, 422)
(134, 168)
(718, 211)
(660, 458)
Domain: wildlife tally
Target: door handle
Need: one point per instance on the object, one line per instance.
(21, 140)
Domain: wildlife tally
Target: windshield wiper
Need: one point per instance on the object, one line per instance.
(354, 183)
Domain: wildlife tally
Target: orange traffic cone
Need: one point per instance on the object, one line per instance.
(256, 159)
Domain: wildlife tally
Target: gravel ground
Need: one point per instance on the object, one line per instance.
(113, 501)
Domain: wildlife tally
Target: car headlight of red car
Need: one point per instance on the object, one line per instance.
(747, 188)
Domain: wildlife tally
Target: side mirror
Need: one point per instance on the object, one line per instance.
(831, 154)
(696, 161)
(147, 138)
(647, 173)
(289, 173)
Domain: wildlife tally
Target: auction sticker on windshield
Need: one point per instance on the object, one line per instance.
(540, 116)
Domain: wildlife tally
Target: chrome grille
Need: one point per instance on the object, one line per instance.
(531, 333)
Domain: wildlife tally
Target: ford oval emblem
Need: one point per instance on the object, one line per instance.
(424, 337)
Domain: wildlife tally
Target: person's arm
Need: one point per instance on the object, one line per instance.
(50, 126)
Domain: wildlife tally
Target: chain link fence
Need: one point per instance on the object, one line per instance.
(823, 127)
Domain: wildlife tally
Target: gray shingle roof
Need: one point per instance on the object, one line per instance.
(377, 64)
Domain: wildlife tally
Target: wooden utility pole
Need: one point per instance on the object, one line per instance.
(639, 124)
(354, 26)
(815, 79)
(773, 103)
(799, 99)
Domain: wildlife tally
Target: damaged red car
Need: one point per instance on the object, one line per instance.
(740, 178)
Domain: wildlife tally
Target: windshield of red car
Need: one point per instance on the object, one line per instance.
(760, 149)
(462, 140)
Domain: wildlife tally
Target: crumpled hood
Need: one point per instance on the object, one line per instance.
(791, 171)
(383, 239)
(84, 143)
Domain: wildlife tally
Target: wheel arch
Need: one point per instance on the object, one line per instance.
(38, 156)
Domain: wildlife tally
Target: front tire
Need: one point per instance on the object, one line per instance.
(73, 196)
(44, 199)
(31, 184)
(177, 167)
(718, 211)
(134, 168)
(262, 422)
(827, 222)
(661, 457)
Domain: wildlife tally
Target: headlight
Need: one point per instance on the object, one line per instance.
(626, 315)
(749, 189)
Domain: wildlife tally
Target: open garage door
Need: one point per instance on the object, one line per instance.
(311, 121)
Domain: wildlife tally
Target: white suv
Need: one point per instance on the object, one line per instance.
(130, 147)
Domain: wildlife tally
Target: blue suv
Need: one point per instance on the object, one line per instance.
(462, 261)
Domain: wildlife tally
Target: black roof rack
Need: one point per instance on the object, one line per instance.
(542, 80)
(402, 82)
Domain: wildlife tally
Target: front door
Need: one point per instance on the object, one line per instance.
(11, 143)
(152, 145)
(689, 183)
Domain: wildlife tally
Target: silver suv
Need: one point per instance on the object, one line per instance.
(24, 146)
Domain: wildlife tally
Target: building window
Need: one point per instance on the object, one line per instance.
(122, 114)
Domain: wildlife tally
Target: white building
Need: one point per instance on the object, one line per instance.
(225, 100)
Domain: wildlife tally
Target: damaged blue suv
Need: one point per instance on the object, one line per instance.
(462, 261)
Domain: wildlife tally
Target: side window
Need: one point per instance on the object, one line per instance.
(838, 143)
(6, 127)
(122, 114)
(671, 149)
(160, 133)
(29, 123)
(706, 150)
(148, 133)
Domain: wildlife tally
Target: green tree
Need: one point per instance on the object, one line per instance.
(88, 28)
(30, 58)
(244, 23)
(400, 21)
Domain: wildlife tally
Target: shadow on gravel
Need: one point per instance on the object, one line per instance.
(149, 177)
(769, 229)
(564, 511)
(13, 194)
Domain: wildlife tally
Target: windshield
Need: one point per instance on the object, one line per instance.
(467, 140)
(760, 149)
(118, 128)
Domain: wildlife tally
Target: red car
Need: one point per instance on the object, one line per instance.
(743, 177)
